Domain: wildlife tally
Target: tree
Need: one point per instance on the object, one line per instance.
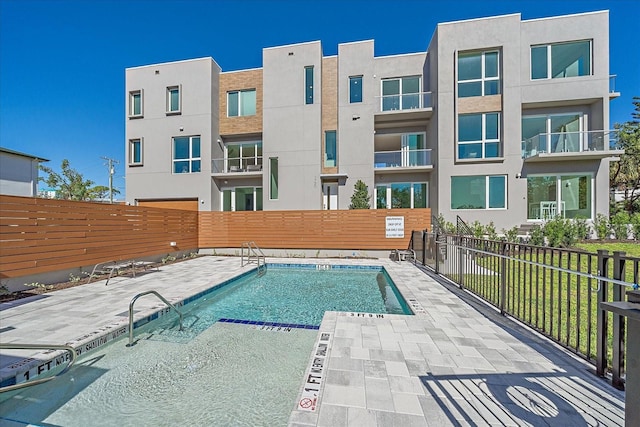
(70, 184)
(100, 192)
(624, 175)
(361, 197)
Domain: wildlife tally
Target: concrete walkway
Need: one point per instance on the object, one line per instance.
(456, 362)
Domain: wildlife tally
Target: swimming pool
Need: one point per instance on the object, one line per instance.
(215, 372)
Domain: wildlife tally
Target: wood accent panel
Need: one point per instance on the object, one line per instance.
(329, 103)
(186, 205)
(341, 229)
(239, 80)
(480, 104)
(43, 235)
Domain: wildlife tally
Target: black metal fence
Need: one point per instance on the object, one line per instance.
(555, 291)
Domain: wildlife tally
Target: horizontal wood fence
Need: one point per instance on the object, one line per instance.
(340, 229)
(43, 235)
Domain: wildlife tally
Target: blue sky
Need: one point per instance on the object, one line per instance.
(62, 62)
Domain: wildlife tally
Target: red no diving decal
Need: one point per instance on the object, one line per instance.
(306, 403)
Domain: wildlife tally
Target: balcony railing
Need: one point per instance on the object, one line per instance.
(612, 83)
(402, 158)
(237, 165)
(569, 142)
(406, 101)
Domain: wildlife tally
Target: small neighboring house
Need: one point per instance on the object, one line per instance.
(19, 173)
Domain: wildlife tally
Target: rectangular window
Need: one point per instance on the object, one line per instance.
(401, 93)
(135, 152)
(273, 178)
(560, 60)
(244, 157)
(242, 199)
(568, 196)
(479, 136)
(330, 149)
(553, 133)
(186, 154)
(308, 85)
(135, 104)
(241, 103)
(478, 74)
(479, 192)
(355, 89)
(402, 195)
(173, 100)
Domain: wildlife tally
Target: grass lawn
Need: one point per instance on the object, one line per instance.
(631, 248)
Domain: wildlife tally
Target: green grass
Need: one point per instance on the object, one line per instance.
(631, 248)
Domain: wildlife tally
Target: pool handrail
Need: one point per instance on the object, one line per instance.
(133, 300)
(36, 381)
(253, 251)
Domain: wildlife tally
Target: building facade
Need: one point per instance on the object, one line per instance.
(499, 120)
(19, 173)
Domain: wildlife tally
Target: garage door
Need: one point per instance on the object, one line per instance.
(184, 204)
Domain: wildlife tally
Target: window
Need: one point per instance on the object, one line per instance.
(355, 89)
(242, 199)
(135, 104)
(401, 93)
(330, 149)
(552, 133)
(478, 74)
(479, 192)
(241, 103)
(561, 60)
(308, 85)
(186, 154)
(402, 195)
(273, 178)
(135, 152)
(173, 100)
(478, 135)
(245, 157)
(568, 196)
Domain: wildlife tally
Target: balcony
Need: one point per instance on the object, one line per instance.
(402, 161)
(570, 146)
(410, 107)
(613, 93)
(237, 167)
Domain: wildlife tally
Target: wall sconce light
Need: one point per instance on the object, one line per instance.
(518, 175)
(181, 128)
(355, 117)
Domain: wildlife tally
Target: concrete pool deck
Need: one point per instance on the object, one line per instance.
(456, 362)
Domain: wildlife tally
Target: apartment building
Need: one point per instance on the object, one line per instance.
(499, 120)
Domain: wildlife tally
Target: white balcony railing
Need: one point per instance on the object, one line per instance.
(406, 101)
(237, 165)
(569, 142)
(402, 158)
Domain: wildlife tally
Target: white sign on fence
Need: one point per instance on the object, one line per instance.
(395, 227)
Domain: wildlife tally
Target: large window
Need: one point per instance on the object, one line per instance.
(401, 93)
(135, 152)
(478, 74)
(241, 103)
(479, 192)
(568, 196)
(330, 149)
(135, 104)
(479, 136)
(402, 195)
(242, 199)
(553, 61)
(173, 100)
(245, 157)
(273, 178)
(308, 84)
(186, 154)
(552, 133)
(355, 89)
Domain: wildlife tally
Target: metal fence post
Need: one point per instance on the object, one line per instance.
(617, 363)
(461, 262)
(503, 277)
(601, 317)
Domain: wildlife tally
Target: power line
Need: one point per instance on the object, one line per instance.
(112, 170)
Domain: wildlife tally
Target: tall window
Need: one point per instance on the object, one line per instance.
(186, 154)
(402, 195)
(241, 103)
(478, 135)
(479, 192)
(401, 93)
(135, 152)
(273, 178)
(330, 149)
(478, 74)
(135, 104)
(355, 89)
(559, 60)
(173, 100)
(308, 84)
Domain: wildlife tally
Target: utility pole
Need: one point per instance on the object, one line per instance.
(112, 171)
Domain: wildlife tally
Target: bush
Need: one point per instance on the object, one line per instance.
(620, 225)
(511, 235)
(561, 232)
(477, 229)
(490, 231)
(537, 236)
(602, 227)
(583, 231)
(635, 224)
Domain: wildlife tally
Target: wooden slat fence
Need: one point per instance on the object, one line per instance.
(341, 229)
(43, 235)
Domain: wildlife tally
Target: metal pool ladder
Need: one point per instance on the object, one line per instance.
(35, 381)
(133, 300)
(254, 254)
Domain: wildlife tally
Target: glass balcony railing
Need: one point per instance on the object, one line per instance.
(569, 142)
(612, 83)
(406, 101)
(402, 158)
(237, 165)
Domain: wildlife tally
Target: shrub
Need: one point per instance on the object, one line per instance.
(490, 231)
(602, 227)
(635, 224)
(511, 235)
(477, 229)
(620, 225)
(583, 231)
(537, 236)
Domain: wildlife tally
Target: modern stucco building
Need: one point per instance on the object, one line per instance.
(499, 120)
(19, 173)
